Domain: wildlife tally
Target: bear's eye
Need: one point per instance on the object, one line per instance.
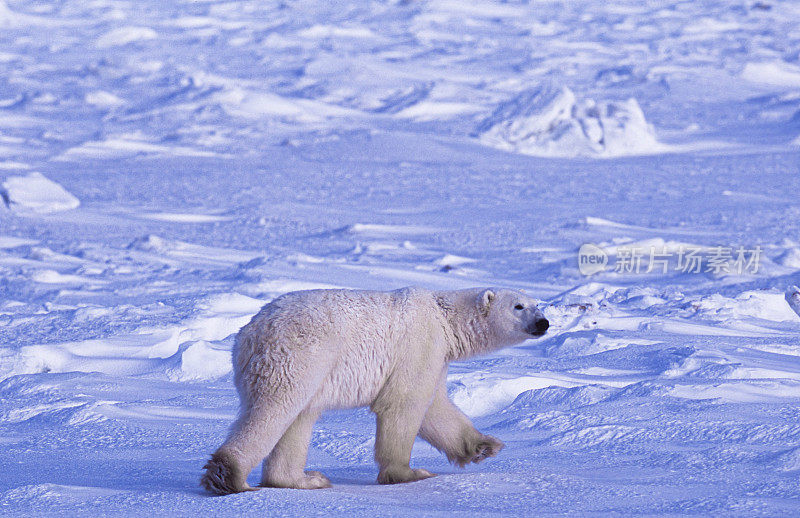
(519, 306)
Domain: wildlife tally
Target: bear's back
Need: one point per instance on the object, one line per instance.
(357, 336)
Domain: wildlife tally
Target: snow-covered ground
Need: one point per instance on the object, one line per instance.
(168, 167)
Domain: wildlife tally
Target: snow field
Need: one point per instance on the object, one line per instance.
(167, 168)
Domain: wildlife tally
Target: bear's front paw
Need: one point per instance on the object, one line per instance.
(400, 475)
(485, 446)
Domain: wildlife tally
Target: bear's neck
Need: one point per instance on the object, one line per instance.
(469, 336)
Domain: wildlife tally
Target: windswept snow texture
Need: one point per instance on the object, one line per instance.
(216, 154)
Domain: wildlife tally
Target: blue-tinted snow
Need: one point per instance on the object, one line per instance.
(203, 157)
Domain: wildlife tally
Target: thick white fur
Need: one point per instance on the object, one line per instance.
(309, 351)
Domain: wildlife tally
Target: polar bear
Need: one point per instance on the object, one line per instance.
(309, 351)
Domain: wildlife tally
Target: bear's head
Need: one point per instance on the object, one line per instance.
(512, 316)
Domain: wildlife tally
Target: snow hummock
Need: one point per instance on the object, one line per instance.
(773, 73)
(125, 35)
(790, 258)
(328, 31)
(756, 303)
(255, 104)
(549, 121)
(7, 17)
(103, 99)
(126, 145)
(201, 360)
(36, 193)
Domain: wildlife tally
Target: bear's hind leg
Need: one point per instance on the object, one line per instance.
(284, 465)
(254, 434)
(270, 405)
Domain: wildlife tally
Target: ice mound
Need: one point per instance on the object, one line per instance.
(546, 121)
(36, 193)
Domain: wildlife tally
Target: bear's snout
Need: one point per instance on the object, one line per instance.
(538, 326)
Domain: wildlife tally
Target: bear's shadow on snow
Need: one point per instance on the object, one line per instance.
(109, 473)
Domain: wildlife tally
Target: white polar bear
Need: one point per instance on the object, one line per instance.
(309, 351)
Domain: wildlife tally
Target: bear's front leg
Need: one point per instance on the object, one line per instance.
(448, 430)
(398, 422)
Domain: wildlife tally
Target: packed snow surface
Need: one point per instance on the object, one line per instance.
(169, 167)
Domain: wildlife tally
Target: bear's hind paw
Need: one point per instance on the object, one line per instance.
(223, 475)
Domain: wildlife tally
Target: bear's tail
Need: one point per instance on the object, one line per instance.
(223, 475)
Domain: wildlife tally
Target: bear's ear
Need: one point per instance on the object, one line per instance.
(486, 299)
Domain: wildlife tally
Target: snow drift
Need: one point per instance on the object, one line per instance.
(547, 121)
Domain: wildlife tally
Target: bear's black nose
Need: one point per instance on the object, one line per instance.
(541, 325)
(538, 327)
